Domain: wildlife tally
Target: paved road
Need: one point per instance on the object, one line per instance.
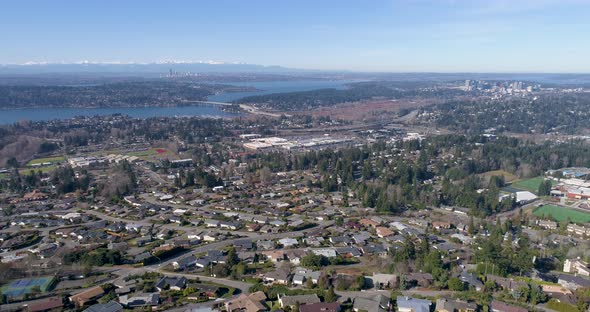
(225, 243)
(156, 177)
(198, 306)
(412, 292)
(242, 286)
(145, 222)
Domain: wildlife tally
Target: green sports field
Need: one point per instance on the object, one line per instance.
(531, 185)
(53, 160)
(562, 213)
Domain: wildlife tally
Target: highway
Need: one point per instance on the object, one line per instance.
(245, 107)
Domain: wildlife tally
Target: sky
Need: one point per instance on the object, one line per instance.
(356, 35)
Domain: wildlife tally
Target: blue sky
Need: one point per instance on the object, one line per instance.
(371, 35)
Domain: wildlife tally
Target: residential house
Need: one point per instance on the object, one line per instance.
(419, 222)
(326, 252)
(277, 223)
(361, 238)
(422, 279)
(175, 219)
(260, 219)
(368, 223)
(397, 239)
(572, 282)
(463, 238)
(173, 283)
(278, 276)
(288, 242)
(294, 256)
(314, 241)
(110, 306)
(211, 223)
(86, 296)
(340, 240)
(471, 280)
(444, 247)
(383, 231)
(140, 300)
(409, 304)
(265, 245)
(450, 305)
(229, 225)
(133, 227)
(140, 258)
(378, 303)
(349, 252)
(320, 307)
(254, 302)
(291, 301)
(301, 275)
(398, 225)
(374, 249)
(498, 306)
(274, 255)
(439, 225)
(47, 304)
(506, 283)
(243, 244)
(141, 241)
(381, 281)
(184, 263)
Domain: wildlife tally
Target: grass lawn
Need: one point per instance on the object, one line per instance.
(148, 152)
(508, 177)
(562, 213)
(531, 185)
(152, 154)
(46, 159)
(561, 306)
(26, 171)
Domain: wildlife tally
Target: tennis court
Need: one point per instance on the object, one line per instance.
(19, 288)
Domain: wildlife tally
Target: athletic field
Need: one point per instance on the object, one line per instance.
(562, 213)
(531, 185)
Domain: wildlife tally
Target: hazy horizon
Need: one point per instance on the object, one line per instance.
(455, 36)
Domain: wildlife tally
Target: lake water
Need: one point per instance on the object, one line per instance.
(268, 87)
(39, 114)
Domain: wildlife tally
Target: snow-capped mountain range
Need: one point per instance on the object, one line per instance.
(41, 67)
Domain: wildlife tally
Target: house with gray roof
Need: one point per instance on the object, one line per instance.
(110, 306)
(378, 303)
(409, 304)
(450, 305)
(291, 301)
(301, 275)
(572, 282)
(140, 300)
(174, 283)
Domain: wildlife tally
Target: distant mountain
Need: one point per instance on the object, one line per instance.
(138, 68)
